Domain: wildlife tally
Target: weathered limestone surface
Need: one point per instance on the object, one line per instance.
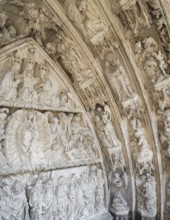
(84, 109)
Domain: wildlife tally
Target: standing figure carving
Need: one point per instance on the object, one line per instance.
(44, 87)
(61, 197)
(11, 80)
(28, 92)
(35, 196)
(99, 191)
(19, 202)
(118, 79)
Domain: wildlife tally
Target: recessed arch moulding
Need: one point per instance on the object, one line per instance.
(84, 110)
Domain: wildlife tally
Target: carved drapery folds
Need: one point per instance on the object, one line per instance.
(65, 194)
(43, 125)
(44, 128)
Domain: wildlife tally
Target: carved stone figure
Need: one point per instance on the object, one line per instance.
(75, 203)
(116, 76)
(5, 199)
(76, 65)
(146, 199)
(35, 196)
(84, 185)
(168, 197)
(144, 155)
(44, 88)
(61, 196)
(7, 30)
(118, 180)
(28, 92)
(19, 200)
(28, 138)
(99, 191)
(48, 200)
(134, 14)
(3, 123)
(119, 205)
(165, 135)
(95, 27)
(11, 79)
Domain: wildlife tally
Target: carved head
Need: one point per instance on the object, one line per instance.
(30, 64)
(63, 97)
(17, 187)
(16, 64)
(116, 62)
(138, 47)
(61, 180)
(43, 72)
(82, 6)
(99, 173)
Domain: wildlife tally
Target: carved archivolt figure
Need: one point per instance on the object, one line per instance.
(119, 205)
(168, 196)
(146, 199)
(74, 63)
(95, 27)
(144, 155)
(7, 30)
(134, 14)
(119, 81)
(165, 135)
(11, 79)
(99, 191)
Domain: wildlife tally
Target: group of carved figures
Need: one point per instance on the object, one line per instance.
(20, 84)
(32, 137)
(46, 197)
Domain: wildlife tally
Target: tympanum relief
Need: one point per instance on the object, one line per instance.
(27, 83)
(32, 139)
(71, 194)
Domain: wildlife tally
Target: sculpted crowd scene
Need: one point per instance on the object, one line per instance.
(48, 196)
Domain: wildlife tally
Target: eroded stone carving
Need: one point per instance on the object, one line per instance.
(133, 15)
(107, 135)
(118, 79)
(143, 155)
(52, 195)
(31, 17)
(119, 180)
(30, 138)
(28, 83)
(119, 205)
(86, 18)
(83, 76)
(168, 197)
(146, 197)
(155, 65)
